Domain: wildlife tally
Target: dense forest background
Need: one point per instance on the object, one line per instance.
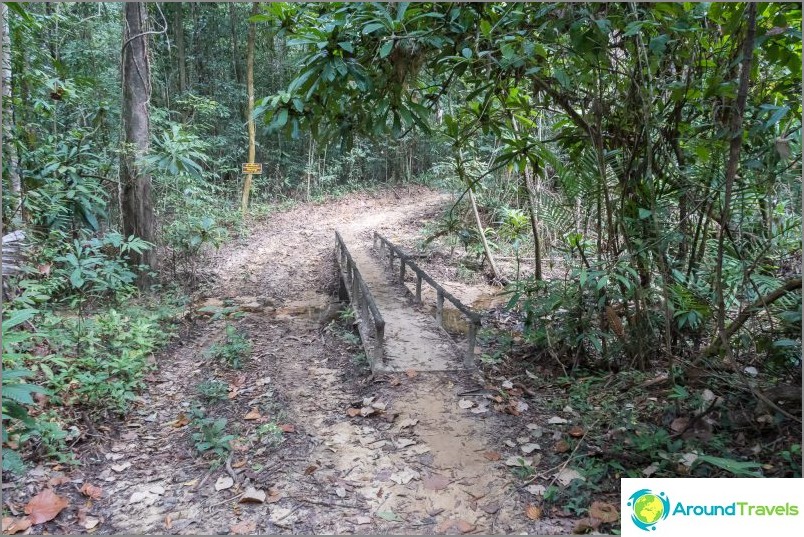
(640, 163)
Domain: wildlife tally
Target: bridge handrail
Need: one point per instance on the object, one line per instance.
(363, 299)
(441, 293)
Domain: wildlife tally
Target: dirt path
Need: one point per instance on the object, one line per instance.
(419, 464)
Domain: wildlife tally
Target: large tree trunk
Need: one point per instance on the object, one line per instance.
(735, 146)
(9, 147)
(235, 56)
(255, 9)
(178, 32)
(136, 206)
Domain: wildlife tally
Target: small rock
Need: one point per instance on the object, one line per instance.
(555, 420)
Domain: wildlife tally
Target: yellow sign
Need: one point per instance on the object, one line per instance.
(251, 167)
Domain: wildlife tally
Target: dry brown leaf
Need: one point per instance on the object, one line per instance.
(239, 464)
(168, 522)
(90, 522)
(679, 425)
(561, 446)
(576, 431)
(233, 392)
(492, 455)
(16, 525)
(252, 414)
(411, 373)
(393, 381)
(288, 428)
(463, 526)
(353, 412)
(310, 469)
(252, 495)
(533, 512)
(273, 496)
(45, 506)
(606, 512)
(181, 421)
(246, 527)
(436, 482)
(92, 491)
(58, 480)
(585, 525)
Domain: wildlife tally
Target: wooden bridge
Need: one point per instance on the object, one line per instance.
(397, 333)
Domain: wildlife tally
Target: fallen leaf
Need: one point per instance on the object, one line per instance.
(121, 467)
(92, 491)
(561, 446)
(586, 525)
(404, 477)
(533, 512)
(527, 449)
(516, 407)
(224, 482)
(576, 431)
(16, 525)
(392, 381)
(239, 464)
(288, 428)
(252, 495)
(411, 373)
(492, 455)
(555, 420)
(491, 508)
(45, 506)
(340, 492)
(233, 392)
(650, 470)
(129, 436)
(536, 490)
(407, 422)
(379, 406)
(253, 414)
(352, 412)
(245, 527)
(465, 404)
(361, 520)
(536, 431)
(168, 522)
(273, 496)
(679, 424)
(606, 512)
(435, 482)
(310, 469)
(568, 475)
(90, 522)
(516, 461)
(507, 384)
(405, 442)
(367, 411)
(181, 421)
(687, 459)
(390, 516)
(480, 409)
(463, 526)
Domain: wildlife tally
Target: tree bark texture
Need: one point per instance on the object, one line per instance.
(178, 33)
(9, 147)
(136, 206)
(735, 146)
(250, 83)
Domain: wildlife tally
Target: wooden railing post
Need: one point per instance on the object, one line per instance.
(418, 287)
(469, 361)
(401, 270)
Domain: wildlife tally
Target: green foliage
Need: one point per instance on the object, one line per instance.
(233, 349)
(210, 436)
(270, 434)
(213, 390)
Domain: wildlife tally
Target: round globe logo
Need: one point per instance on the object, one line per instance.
(648, 508)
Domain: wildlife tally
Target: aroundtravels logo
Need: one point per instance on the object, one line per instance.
(648, 508)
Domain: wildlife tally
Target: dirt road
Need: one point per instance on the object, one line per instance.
(418, 464)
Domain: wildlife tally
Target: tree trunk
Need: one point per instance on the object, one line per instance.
(735, 146)
(537, 250)
(10, 149)
(482, 233)
(178, 32)
(135, 185)
(255, 9)
(235, 56)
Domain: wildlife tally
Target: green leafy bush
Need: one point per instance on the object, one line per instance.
(233, 349)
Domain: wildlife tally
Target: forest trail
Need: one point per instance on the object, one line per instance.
(419, 464)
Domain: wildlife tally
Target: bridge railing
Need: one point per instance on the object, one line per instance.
(405, 261)
(370, 322)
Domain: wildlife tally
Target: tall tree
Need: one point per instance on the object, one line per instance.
(9, 149)
(255, 9)
(136, 206)
(178, 31)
